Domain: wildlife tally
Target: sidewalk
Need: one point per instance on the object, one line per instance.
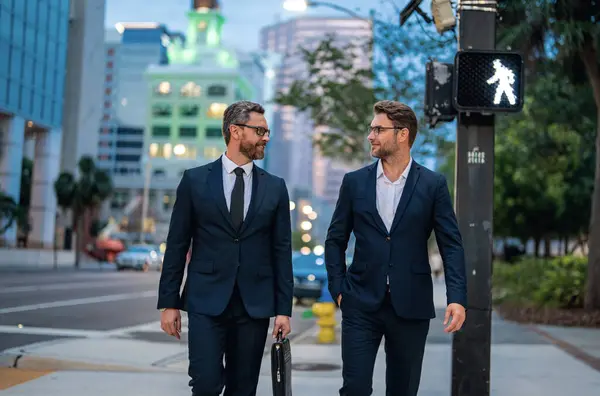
(524, 363)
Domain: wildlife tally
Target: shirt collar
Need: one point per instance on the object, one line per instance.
(404, 174)
(230, 166)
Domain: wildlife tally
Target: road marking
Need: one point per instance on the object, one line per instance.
(47, 331)
(65, 286)
(10, 377)
(79, 301)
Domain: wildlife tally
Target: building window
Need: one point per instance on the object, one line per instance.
(216, 110)
(161, 131)
(161, 110)
(109, 77)
(185, 151)
(213, 132)
(212, 153)
(190, 89)
(188, 132)
(129, 144)
(130, 131)
(217, 90)
(189, 110)
(159, 173)
(109, 65)
(127, 157)
(164, 88)
(160, 150)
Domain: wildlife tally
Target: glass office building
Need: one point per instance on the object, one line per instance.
(33, 51)
(33, 47)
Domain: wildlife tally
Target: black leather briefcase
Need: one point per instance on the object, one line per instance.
(281, 366)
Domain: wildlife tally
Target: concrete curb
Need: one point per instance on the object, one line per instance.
(571, 349)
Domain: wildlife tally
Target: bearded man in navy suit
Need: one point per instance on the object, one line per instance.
(237, 218)
(392, 206)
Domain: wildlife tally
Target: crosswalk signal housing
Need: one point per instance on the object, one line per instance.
(488, 81)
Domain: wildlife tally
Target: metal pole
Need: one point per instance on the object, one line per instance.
(145, 196)
(474, 197)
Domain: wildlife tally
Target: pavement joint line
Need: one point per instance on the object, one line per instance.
(570, 349)
(67, 286)
(79, 301)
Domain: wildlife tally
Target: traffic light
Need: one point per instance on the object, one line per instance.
(438, 93)
(488, 81)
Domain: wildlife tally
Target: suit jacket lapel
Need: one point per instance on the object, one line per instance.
(409, 187)
(371, 190)
(258, 194)
(215, 184)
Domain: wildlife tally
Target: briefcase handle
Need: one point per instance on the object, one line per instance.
(280, 335)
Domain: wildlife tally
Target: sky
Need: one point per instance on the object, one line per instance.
(243, 18)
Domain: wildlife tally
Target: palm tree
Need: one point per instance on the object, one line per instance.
(567, 32)
(83, 197)
(8, 212)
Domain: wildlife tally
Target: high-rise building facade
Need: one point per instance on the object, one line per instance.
(310, 177)
(83, 102)
(33, 63)
(129, 49)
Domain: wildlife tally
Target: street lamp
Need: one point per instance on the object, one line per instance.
(302, 5)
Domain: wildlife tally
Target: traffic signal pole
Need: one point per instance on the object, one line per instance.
(474, 197)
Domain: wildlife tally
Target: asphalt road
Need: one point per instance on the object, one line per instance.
(45, 306)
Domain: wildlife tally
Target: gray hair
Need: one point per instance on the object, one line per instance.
(238, 113)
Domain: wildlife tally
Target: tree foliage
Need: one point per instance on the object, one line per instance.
(338, 91)
(567, 33)
(82, 196)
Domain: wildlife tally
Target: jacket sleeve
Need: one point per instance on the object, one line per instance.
(282, 254)
(178, 244)
(449, 243)
(336, 242)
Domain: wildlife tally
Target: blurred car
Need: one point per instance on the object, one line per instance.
(310, 276)
(140, 257)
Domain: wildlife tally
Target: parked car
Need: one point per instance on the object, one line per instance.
(310, 276)
(140, 257)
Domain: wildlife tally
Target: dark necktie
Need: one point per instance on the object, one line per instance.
(237, 199)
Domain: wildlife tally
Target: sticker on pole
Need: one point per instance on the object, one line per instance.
(488, 81)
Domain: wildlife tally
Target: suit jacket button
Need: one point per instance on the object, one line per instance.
(236, 240)
(388, 238)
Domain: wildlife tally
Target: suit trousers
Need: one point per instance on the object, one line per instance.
(233, 335)
(404, 348)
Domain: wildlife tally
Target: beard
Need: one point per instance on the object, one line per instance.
(253, 151)
(383, 151)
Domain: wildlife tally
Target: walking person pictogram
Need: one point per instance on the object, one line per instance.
(505, 78)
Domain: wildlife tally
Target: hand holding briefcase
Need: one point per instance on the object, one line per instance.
(281, 366)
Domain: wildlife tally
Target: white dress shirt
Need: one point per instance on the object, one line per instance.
(229, 181)
(389, 194)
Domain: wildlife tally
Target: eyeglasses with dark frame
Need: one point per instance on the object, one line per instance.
(260, 131)
(377, 129)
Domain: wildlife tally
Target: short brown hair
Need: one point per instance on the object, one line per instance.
(401, 115)
(238, 113)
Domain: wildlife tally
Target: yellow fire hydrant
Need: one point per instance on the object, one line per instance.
(325, 311)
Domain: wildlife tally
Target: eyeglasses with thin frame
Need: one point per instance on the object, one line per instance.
(260, 131)
(377, 129)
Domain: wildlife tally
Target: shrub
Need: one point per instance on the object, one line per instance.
(556, 282)
(563, 284)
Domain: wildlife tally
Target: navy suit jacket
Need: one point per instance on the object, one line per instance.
(258, 256)
(401, 254)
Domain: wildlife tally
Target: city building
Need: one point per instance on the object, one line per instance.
(312, 179)
(129, 49)
(34, 38)
(186, 101)
(83, 102)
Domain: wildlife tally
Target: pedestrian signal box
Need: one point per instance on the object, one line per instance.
(488, 81)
